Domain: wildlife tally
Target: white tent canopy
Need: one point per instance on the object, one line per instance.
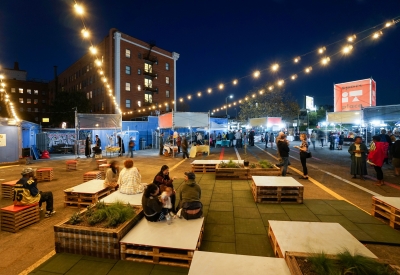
(350, 117)
(382, 113)
(184, 120)
(99, 121)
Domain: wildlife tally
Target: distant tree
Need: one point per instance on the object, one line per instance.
(62, 108)
(275, 103)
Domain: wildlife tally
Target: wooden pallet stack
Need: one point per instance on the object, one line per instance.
(203, 168)
(79, 200)
(271, 190)
(43, 174)
(7, 189)
(71, 165)
(92, 175)
(13, 217)
(387, 209)
(100, 162)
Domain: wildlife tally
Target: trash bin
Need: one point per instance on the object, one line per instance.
(26, 152)
(142, 144)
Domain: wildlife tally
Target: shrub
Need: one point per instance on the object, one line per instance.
(322, 265)
(265, 164)
(75, 218)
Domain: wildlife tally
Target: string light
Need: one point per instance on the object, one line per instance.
(325, 60)
(351, 38)
(85, 33)
(293, 77)
(79, 9)
(321, 50)
(10, 110)
(256, 74)
(377, 34)
(271, 88)
(280, 82)
(199, 94)
(347, 49)
(235, 82)
(221, 86)
(209, 90)
(390, 23)
(308, 69)
(297, 59)
(275, 67)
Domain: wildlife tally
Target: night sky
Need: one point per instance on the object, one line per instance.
(218, 41)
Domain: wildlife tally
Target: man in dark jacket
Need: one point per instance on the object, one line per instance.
(189, 195)
(283, 148)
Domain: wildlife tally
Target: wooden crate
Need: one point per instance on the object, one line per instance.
(71, 165)
(43, 174)
(92, 241)
(383, 209)
(231, 173)
(275, 171)
(13, 217)
(277, 194)
(203, 168)
(7, 189)
(100, 162)
(92, 175)
(159, 255)
(274, 243)
(73, 199)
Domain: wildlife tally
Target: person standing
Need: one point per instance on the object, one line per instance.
(303, 155)
(238, 137)
(26, 192)
(251, 137)
(212, 138)
(88, 150)
(179, 143)
(358, 152)
(376, 157)
(321, 136)
(231, 137)
(395, 152)
(161, 143)
(283, 150)
(341, 140)
(266, 139)
(387, 142)
(313, 138)
(131, 147)
(121, 146)
(271, 139)
(185, 148)
(97, 146)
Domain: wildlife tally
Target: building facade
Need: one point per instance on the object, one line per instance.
(143, 77)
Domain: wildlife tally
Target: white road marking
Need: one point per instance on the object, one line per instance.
(237, 154)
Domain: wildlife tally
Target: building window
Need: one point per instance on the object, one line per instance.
(167, 66)
(35, 92)
(36, 110)
(148, 68)
(35, 101)
(13, 90)
(28, 110)
(139, 55)
(90, 80)
(21, 91)
(148, 83)
(128, 86)
(128, 103)
(28, 91)
(91, 95)
(139, 71)
(128, 53)
(166, 107)
(139, 103)
(128, 69)
(28, 100)
(36, 119)
(21, 100)
(44, 111)
(166, 93)
(102, 106)
(167, 79)
(148, 98)
(21, 109)
(139, 87)
(87, 95)
(43, 101)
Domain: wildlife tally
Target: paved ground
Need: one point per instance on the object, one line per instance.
(234, 223)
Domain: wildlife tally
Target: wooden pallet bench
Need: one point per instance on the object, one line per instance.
(71, 165)
(184, 238)
(13, 217)
(133, 200)
(269, 189)
(85, 194)
(100, 162)
(212, 263)
(207, 166)
(43, 174)
(92, 175)
(7, 189)
(387, 209)
(313, 237)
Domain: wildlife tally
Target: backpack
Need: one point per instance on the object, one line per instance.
(131, 143)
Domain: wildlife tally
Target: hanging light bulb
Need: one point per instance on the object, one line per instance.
(209, 90)
(390, 23)
(256, 74)
(85, 33)
(297, 59)
(271, 87)
(199, 94)
(189, 96)
(347, 49)
(275, 67)
(181, 99)
(93, 50)
(321, 50)
(325, 60)
(235, 82)
(308, 69)
(221, 86)
(280, 82)
(351, 38)
(377, 34)
(97, 62)
(293, 77)
(79, 9)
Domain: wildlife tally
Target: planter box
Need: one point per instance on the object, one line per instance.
(244, 173)
(92, 241)
(292, 260)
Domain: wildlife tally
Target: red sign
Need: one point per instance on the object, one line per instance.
(351, 96)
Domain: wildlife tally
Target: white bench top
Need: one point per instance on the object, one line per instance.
(214, 161)
(180, 234)
(89, 187)
(316, 237)
(393, 201)
(211, 263)
(124, 198)
(275, 181)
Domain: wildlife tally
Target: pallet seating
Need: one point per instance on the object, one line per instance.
(71, 165)
(134, 200)
(13, 217)
(183, 239)
(211, 263)
(44, 174)
(313, 237)
(100, 162)
(208, 166)
(387, 209)
(92, 175)
(103, 169)
(85, 194)
(270, 189)
(7, 189)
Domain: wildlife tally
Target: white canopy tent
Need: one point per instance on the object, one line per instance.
(350, 117)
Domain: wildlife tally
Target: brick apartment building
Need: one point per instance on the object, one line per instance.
(30, 97)
(142, 77)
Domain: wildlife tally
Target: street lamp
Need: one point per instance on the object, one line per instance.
(226, 104)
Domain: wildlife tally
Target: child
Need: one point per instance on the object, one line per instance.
(165, 197)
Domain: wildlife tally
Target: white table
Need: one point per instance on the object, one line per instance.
(272, 189)
(272, 181)
(89, 187)
(313, 237)
(392, 201)
(85, 194)
(211, 263)
(134, 200)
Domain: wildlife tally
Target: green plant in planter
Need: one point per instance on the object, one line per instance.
(322, 265)
(360, 265)
(75, 218)
(223, 164)
(265, 164)
(253, 165)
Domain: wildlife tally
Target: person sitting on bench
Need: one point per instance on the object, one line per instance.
(189, 195)
(26, 192)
